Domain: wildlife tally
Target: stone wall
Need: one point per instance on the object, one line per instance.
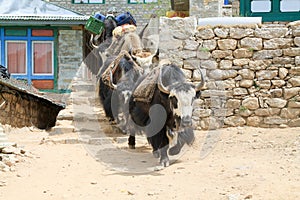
(141, 12)
(20, 108)
(70, 56)
(252, 72)
(206, 8)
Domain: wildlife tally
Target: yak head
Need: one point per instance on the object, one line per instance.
(145, 59)
(180, 94)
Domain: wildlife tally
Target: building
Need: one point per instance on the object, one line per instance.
(140, 9)
(44, 42)
(40, 42)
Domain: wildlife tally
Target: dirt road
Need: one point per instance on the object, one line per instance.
(231, 163)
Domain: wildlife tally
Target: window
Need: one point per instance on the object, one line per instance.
(42, 57)
(28, 54)
(16, 57)
(261, 6)
(42, 32)
(271, 10)
(88, 1)
(141, 1)
(289, 5)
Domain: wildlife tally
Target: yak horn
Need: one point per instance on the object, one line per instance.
(200, 85)
(92, 42)
(160, 85)
(114, 86)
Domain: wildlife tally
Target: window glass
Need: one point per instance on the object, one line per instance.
(42, 57)
(87, 1)
(142, 1)
(290, 5)
(16, 57)
(150, 1)
(42, 32)
(261, 6)
(95, 1)
(81, 1)
(15, 32)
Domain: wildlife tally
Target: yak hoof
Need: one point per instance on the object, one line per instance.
(174, 150)
(156, 154)
(131, 146)
(165, 162)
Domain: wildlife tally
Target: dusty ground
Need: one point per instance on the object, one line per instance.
(232, 163)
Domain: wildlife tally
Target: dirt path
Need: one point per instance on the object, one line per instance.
(245, 163)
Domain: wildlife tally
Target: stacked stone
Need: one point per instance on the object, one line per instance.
(252, 72)
(21, 107)
(10, 154)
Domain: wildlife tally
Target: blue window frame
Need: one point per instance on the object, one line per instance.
(28, 41)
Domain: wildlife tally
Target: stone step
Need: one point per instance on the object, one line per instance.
(83, 86)
(61, 130)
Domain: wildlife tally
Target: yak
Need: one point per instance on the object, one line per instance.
(106, 89)
(167, 118)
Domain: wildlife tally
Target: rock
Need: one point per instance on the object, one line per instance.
(235, 121)
(269, 33)
(222, 54)
(276, 102)
(238, 33)
(242, 53)
(290, 92)
(290, 113)
(221, 32)
(254, 121)
(266, 74)
(259, 64)
(11, 150)
(267, 54)
(225, 64)
(240, 91)
(218, 74)
(247, 74)
(2, 183)
(278, 43)
(209, 64)
(241, 62)
(210, 123)
(294, 123)
(291, 52)
(233, 103)
(227, 44)
(205, 34)
(275, 120)
(295, 81)
(208, 45)
(252, 43)
(250, 103)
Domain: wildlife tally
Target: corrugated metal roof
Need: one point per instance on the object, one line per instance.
(37, 12)
(42, 20)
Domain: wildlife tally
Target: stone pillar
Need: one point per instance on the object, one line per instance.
(206, 8)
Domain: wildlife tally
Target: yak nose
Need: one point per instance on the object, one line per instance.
(186, 121)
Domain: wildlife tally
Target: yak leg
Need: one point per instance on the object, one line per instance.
(177, 148)
(131, 141)
(160, 145)
(164, 158)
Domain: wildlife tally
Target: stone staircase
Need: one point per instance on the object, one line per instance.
(83, 120)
